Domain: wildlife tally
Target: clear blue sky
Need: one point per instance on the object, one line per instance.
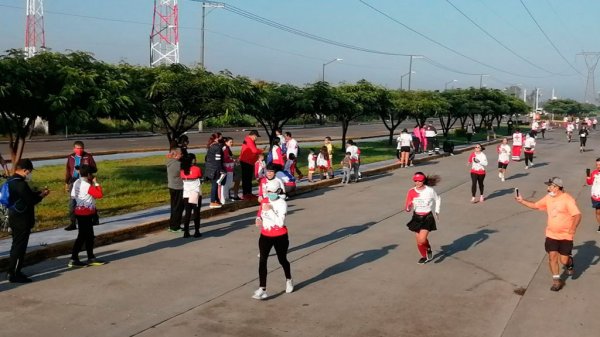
(250, 48)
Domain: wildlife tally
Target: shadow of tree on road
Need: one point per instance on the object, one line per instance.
(463, 243)
(353, 261)
(499, 193)
(588, 254)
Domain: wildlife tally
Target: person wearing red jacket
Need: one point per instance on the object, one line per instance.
(248, 157)
(85, 191)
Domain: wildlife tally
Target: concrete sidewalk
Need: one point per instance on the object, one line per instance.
(51, 243)
(353, 263)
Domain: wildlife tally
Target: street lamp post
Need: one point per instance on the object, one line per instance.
(324, 64)
(410, 68)
(402, 77)
(446, 84)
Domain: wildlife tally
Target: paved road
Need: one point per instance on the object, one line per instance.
(353, 261)
(159, 142)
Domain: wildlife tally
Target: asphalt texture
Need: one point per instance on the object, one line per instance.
(353, 263)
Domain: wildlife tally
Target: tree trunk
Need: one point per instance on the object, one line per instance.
(345, 125)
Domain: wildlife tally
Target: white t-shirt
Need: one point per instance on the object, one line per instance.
(404, 140)
(517, 139)
(291, 147)
(504, 153)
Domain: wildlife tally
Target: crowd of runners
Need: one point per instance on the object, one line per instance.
(275, 170)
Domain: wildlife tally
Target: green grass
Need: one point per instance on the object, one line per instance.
(135, 184)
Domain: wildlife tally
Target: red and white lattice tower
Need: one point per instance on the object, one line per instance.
(35, 38)
(164, 39)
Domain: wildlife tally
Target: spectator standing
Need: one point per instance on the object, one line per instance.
(229, 165)
(417, 138)
(312, 164)
(192, 194)
(86, 190)
(323, 163)
(430, 135)
(329, 146)
(354, 158)
(21, 217)
(175, 185)
(248, 156)
(260, 167)
(3, 167)
(279, 134)
(291, 145)
(276, 156)
(405, 144)
(563, 218)
(509, 126)
(75, 160)
(346, 167)
(215, 171)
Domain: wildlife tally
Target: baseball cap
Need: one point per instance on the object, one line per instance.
(25, 164)
(555, 181)
(254, 132)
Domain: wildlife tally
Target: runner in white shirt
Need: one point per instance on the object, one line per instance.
(421, 199)
(570, 129)
(529, 148)
(503, 158)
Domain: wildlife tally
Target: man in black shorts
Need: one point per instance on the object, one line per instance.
(563, 219)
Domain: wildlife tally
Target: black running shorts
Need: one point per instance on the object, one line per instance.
(563, 247)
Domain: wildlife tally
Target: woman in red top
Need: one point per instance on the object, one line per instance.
(192, 194)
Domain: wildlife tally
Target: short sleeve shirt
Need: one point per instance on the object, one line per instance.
(560, 211)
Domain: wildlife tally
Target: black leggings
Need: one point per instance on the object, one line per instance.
(85, 234)
(582, 141)
(528, 158)
(265, 243)
(477, 179)
(189, 208)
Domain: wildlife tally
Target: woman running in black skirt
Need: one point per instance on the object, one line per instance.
(421, 199)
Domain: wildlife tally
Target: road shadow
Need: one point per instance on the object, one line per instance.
(499, 193)
(334, 236)
(353, 261)
(517, 176)
(588, 254)
(426, 163)
(539, 164)
(463, 243)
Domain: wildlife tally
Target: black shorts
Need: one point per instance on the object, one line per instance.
(563, 247)
(405, 149)
(595, 204)
(419, 222)
(502, 165)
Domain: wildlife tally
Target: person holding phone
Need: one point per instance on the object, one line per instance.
(563, 218)
(593, 179)
(421, 199)
(478, 161)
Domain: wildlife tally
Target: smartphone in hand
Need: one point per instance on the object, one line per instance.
(587, 172)
(517, 192)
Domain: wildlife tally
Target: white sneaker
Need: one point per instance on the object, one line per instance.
(260, 294)
(473, 199)
(526, 167)
(502, 179)
(500, 175)
(289, 286)
(481, 198)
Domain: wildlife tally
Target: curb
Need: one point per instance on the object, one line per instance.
(63, 248)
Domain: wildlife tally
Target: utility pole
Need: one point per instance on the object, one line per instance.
(35, 36)
(591, 61)
(204, 6)
(481, 80)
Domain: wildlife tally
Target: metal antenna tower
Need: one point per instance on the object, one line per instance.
(35, 38)
(164, 39)
(591, 61)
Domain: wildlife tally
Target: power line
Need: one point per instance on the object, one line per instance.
(498, 41)
(548, 38)
(443, 45)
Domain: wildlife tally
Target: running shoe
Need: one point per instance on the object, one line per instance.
(481, 198)
(260, 294)
(473, 200)
(557, 285)
(429, 254)
(186, 235)
(598, 229)
(95, 262)
(289, 286)
(71, 227)
(215, 205)
(76, 264)
(18, 278)
(422, 260)
(197, 234)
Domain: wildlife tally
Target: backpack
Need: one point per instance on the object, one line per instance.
(5, 195)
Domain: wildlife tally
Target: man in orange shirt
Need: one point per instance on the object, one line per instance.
(563, 218)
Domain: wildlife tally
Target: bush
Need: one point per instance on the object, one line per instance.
(460, 132)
